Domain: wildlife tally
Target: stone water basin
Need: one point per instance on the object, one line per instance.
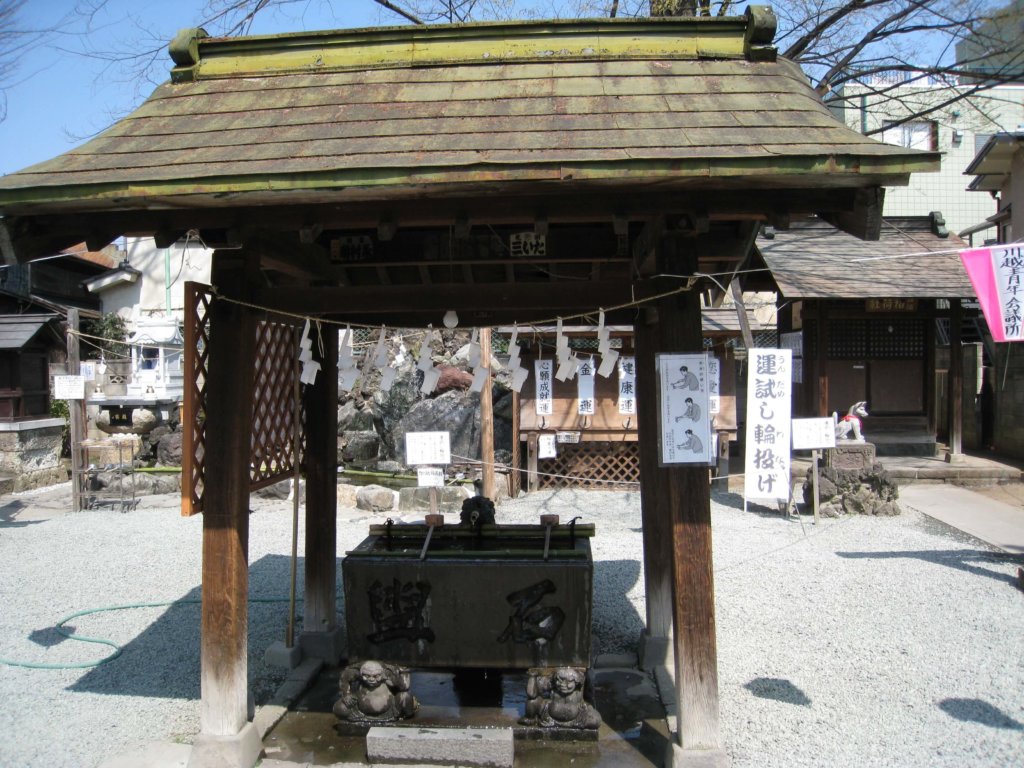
(497, 597)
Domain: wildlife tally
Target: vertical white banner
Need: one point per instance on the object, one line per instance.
(544, 370)
(683, 413)
(769, 387)
(1008, 268)
(627, 385)
(714, 385)
(585, 387)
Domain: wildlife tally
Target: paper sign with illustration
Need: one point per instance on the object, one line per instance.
(683, 409)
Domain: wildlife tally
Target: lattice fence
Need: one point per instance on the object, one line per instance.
(597, 465)
(274, 403)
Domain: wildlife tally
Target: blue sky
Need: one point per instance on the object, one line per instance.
(59, 97)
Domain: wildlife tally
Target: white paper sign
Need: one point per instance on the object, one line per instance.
(68, 388)
(545, 376)
(585, 387)
(714, 385)
(627, 385)
(546, 447)
(769, 389)
(430, 477)
(810, 434)
(683, 412)
(87, 371)
(427, 448)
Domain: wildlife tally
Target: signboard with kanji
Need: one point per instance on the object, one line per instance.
(627, 385)
(427, 448)
(544, 371)
(769, 389)
(812, 434)
(68, 388)
(429, 477)
(585, 387)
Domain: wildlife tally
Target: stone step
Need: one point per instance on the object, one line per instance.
(442, 746)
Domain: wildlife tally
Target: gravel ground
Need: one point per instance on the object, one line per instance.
(858, 642)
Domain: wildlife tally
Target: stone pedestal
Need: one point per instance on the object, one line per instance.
(30, 452)
(850, 455)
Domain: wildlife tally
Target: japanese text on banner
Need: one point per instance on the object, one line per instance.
(769, 387)
(627, 385)
(544, 370)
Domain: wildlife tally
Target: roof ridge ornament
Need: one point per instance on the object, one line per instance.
(761, 26)
(184, 51)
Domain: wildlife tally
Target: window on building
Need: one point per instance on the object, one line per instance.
(980, 140)
(916, 134)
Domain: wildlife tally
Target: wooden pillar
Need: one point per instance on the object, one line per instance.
(320, 636)
(486, 417)
(956, 379)
(657, 528)
(229, 390)
(688, 494)
(931, 375)
(821, 362)
(532, 449)
(76, 414)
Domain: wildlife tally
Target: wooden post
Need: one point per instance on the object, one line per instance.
(687, 492)
(321, 466)
(76, 413)
(532, 449)
(656, 523)
(815, 457)
(486, 417)
(821, 361)
(229, 389)
(956, 379)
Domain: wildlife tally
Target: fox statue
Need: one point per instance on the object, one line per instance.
(849, 427)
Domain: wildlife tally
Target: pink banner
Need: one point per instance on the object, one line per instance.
(996, 274)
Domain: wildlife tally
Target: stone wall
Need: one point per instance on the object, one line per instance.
(30, 453)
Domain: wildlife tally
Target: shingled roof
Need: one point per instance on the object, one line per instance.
(914, 258)
(377, 113)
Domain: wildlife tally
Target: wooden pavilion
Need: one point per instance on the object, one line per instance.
(867, 315)
(378, 176)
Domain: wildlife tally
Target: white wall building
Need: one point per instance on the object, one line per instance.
(955, 128)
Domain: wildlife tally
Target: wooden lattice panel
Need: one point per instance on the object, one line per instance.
(193, 417)
(597, 465)
(273, 420)
(273, 406)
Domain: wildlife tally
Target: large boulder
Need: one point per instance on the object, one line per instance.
(457, 413)
(361, 446)
(375, 498)
(168, 450)
(452, 378)
(853, 492)
(356, 415)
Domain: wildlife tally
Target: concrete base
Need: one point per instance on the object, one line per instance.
(677, 757)
(329, 646)
(955, 458)
(655, 652)
(240, 750)
(280, 655)
(442, 746)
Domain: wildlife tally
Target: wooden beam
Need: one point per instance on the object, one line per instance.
(229, 387)
(865, 219)
(514, 302)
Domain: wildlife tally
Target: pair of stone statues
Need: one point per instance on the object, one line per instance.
(374, 692)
